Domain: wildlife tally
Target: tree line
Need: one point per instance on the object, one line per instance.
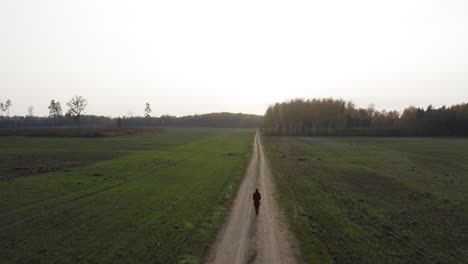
(77, 105)
(221, 120)
(338, 117)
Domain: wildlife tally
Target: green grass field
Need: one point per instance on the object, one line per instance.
(146, 199)
(374, 200)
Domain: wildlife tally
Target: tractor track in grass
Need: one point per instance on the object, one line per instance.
(81, 197)
(60, 195)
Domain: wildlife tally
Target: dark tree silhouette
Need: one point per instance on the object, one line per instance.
(7, 107)
(77, 106)
(55, 111)
(147, 110)
(147, 113)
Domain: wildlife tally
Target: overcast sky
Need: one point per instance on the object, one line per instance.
(186, 57)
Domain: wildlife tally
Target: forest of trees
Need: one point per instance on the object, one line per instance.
(205, 120)
(75, 117)
(319, 117)
(341, 118)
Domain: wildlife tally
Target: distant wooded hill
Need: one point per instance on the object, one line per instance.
(341, 118)
(226, 120)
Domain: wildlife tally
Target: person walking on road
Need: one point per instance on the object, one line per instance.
(257, 197)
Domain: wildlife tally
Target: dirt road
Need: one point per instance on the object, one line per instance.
(250, 238)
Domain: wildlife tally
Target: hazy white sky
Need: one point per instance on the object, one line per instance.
(187, 57)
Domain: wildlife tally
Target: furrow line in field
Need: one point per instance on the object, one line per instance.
(23, 207)
(47, 209)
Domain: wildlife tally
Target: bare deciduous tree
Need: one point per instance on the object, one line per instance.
(77, 106)
(55, 111)
(147, 110)
(5, 107)
(147, 113)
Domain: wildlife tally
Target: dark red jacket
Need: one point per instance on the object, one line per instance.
(257, 197)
